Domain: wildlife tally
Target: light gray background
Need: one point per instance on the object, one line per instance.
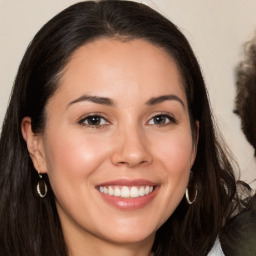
(216, 30)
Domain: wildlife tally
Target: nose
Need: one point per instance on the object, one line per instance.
(131, 149)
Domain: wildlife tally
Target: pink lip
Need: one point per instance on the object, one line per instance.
(126, 182)
(129, 203)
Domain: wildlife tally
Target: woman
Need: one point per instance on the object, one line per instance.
(108, 146)
(239, 235)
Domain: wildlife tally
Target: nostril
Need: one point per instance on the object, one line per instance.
(130, 163)
(131, 156)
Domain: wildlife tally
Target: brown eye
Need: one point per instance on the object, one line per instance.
(94, 120)
(161, 120)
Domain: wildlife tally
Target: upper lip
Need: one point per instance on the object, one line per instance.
(128, 182)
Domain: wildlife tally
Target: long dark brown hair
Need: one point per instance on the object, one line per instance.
(30, 225)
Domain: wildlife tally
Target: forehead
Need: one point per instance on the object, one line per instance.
(111, 63)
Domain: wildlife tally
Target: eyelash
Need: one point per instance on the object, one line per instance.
(98, 118)
(85, 121)
(171, 119)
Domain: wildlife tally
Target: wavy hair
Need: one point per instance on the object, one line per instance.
(30, 225)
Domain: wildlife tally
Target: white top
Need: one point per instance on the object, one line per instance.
(216, 249)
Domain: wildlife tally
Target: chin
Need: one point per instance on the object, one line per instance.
(132, 236)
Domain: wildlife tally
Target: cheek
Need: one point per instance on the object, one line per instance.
(71, 158)
(175, 152)
(175, 156)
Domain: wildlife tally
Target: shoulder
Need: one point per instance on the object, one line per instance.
(216, 249)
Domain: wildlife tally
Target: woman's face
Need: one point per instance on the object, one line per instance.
(117, 145)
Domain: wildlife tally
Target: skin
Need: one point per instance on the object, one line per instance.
(127, 143)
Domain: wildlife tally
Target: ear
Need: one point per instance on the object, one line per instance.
(34, 145)
(195, 143)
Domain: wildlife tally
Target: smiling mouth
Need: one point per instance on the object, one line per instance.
(126, 191)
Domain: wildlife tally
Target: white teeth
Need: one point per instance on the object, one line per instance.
(141, 191)
(117, 192)
(147, 190)
(110, 191)
(126, 192)
(134, 192)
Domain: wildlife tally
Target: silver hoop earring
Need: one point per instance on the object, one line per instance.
(187, 196)
(41, 186)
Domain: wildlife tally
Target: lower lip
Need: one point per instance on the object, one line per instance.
(130, 203)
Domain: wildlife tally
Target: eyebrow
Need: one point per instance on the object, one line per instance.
(94, 99)
(109, 102)
(160, 99)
